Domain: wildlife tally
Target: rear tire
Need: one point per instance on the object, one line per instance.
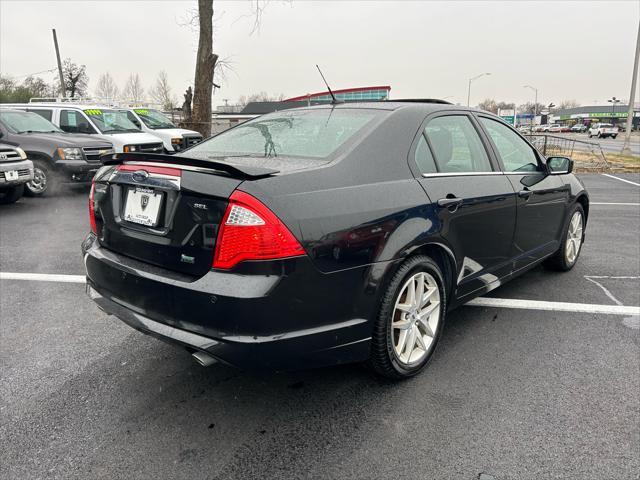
(408, 326)
(571, 245)
(45, 180)
(11, 195)
(614, 136)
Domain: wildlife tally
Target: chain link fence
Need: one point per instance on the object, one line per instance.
(588, 156)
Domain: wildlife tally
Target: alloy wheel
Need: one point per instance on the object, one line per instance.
(416, 317)
(574, 238)
(39, 182)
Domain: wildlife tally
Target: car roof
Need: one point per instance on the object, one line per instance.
(419, 105)
(79, 106)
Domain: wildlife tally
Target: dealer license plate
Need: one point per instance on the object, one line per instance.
(143, 206)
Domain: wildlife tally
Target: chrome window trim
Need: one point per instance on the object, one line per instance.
(459, 174)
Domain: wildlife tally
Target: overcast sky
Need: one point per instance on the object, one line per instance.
(568, 50)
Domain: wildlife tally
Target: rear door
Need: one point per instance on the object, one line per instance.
(475, 203)
(542, 198)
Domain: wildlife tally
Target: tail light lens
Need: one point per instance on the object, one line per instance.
(92, 211)
(250, 231)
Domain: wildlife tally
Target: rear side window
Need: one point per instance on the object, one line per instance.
(456, 145)
(72, 121)
(314, 134)
(423, 157)
(515, 153)
(46, 114)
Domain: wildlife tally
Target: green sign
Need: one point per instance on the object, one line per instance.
(608, 115)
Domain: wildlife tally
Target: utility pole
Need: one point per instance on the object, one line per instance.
(626, 149)
(55, 43)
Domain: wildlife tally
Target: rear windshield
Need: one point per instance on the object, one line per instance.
(310, 134)
(605, 125)
(26, 122)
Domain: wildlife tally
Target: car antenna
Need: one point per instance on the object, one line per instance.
(334, 101)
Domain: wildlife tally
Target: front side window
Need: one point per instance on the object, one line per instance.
(515, 153)
(153, 119)
(26, 122)
(111, 121)
(72, 121)
(312, 134)
(456, 145)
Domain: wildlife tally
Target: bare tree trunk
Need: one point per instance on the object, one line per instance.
(205, 65)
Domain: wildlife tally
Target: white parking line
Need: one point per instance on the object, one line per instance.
(628, 277)
(42, 277)
(553, 306)
(477, 302)
(614, 203)
(621, 179)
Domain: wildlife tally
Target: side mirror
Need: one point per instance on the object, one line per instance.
(559, 165)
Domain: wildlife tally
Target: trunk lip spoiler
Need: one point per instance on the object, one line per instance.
(236, 171)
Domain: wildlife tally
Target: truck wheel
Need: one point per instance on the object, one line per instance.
(614, 136)
(11, 195)
(45, 181)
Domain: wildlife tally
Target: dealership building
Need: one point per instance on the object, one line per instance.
(616, 115)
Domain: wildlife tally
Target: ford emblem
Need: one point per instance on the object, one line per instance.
(140, 175)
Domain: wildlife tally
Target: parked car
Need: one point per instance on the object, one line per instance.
(153, 121)
(329, 234)
(579, 128)
(541, 128)
(603, 130)
(554, 128)
(15, 171)
(104, 123)
(58, 157)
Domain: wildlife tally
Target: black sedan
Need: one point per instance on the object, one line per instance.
(329, 234)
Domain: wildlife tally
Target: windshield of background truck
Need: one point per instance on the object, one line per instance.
(153, 119)
(111, 121)
(25, 122)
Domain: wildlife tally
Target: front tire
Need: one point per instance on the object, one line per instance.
(410, 319)
(45, 181)
(567, 255)
(11, 195)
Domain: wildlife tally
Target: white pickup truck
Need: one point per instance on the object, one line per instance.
(156, 123)
(602, 130)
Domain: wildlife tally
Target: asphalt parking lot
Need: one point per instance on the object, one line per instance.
(522, 393)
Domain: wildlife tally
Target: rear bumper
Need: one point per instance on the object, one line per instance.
(275, 322)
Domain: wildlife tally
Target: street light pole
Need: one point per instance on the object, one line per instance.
(613, 101)
(626, 149)
(469, 90)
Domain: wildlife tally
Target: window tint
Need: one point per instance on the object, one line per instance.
(456, 145)
(46, 114)
(423, 156)
(515, 153)
(72, 121)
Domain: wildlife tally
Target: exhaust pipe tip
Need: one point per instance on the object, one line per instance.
(204, 359)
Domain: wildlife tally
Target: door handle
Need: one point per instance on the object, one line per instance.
(525, 194)
(450, 202)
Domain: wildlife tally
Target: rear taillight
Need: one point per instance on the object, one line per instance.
(92, 209)
(250, 231)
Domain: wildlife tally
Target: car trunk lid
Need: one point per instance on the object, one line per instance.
(164, 210)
